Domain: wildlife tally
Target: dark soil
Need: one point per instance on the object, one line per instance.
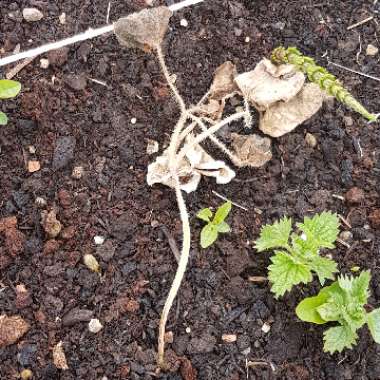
(72, 122)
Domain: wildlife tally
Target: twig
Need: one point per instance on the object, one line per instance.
(90, 33)
(13, 72)
(98, 82)
(345, 221)
(354, 71)
(360, 23)
(226, 199)
(108, 12)
(172, 243)
(343, 243)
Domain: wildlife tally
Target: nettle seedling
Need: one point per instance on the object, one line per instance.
(8, 89)
(342, 302)
(297, 255)
(215, 225)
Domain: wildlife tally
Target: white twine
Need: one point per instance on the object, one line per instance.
(90, 33)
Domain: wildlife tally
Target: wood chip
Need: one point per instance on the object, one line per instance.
(59, 357)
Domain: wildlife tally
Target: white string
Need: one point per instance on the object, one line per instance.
(90, 33)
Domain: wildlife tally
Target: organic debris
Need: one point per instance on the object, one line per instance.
(190, 170)
(91, 263)
(145, 29)
(268, 84)
(14, 239)
(252, 150)
(50, 223)
(59, 357)
(12, 329)
(282, 118)
(224, 81)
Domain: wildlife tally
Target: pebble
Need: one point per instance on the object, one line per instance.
(99, 240)
(184, 23)
(33, 166)
(62, 18)
(26, 374)
(40, 202)
(91, 262)
(75, 316)
(133, 120)
(371, 50)
(77, 172)
(346, 236)
(152, 147)
(32, 14)
(265, 328)
(247, 39)
(32, 149)
(94, 326)
(44, 63)
(311, 140)
(355, 195)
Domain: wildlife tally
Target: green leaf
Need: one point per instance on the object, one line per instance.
(275, 235)
(9, 88)
(338, 338)
(222, 212)
(3, 118)
(324, 268)
(223, 227)
(209, 234)
(286, 272)
(329, 311)
(360, 286)
(307, 309)
(205, 214)
(321, 230)
(373, 321)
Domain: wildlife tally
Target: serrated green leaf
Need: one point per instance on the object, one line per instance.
(373, 321)
(3, 118)
(284, 272)
(336, 339)
(307, 309)
(275, 235)
(324, 268)
(321, 230)
(222, 212)
(329, 311)
(9, 88)
(205, 214)
(209, 234)
(223, 227)
(360, 286)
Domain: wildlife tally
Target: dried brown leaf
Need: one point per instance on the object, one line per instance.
(224, 81)
(59, 357)
(283, 117)
(252, 150)
(12, 329)
(145, 29)
(268, 84)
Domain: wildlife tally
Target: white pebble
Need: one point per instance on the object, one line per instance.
(184, 23)
(44, 63)
(99, 240)
(77, 172)
(372, 50)
(265, 328)
(247, 39)
(133, 120)
(188, 330)
(152, 146)
(32, 14)
(40, 202)
(95, 326)
(62, 18)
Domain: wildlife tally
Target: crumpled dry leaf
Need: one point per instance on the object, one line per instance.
(283, 117)
(145, 29)
(196, 163)
(252, 150)
(12, 329)
(268, 84)
(59, 357)
(224, 81)
(213, 109)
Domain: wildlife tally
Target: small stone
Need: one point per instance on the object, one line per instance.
(188, 330)
(91, 263)
(78, 172)
(51, 224)
(26, 374)
(59, 357)
(44, 63)
(33, 166)
(265, 328)
(94, 326)
(133, 120)
(311, 140)
(229, 338)
(152, 147)
(99, 240)
(32, 14)
(247, 39)
(346, 236)
(62, 18)
(355, 196)
(75, 316)
(32, 149)
(184, 23)
(371, 50)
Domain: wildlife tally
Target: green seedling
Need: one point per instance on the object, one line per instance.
(214, 226)
(342, 302)
(298, 255)
(319, 75)
(8, 89)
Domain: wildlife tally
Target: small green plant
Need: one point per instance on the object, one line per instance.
(342, 302)
(294, 261)
(8, 89)
(217, 225)
(320, 76)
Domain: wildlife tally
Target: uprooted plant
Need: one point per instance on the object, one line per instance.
(8, 89)
(278, 92)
